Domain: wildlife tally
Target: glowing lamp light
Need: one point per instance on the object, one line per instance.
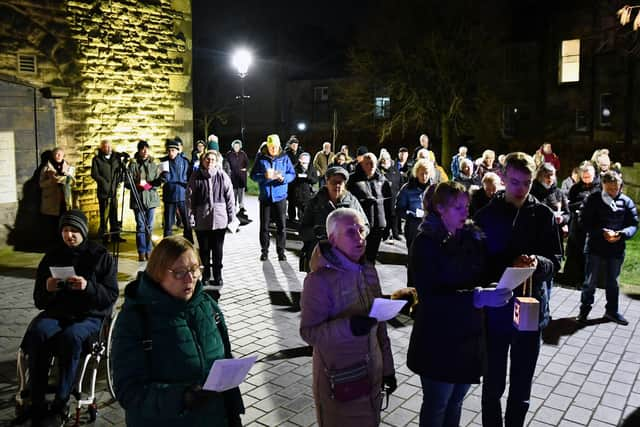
(241, 61)
(606, 112)
(302, 126)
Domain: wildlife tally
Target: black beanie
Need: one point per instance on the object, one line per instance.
(76, 219)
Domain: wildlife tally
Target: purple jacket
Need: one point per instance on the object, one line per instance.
(209, 200)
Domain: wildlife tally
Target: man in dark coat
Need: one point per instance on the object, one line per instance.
(521, 232)
(73, 310)
(609, 219)
(238, 163)
(175, 170)
(105, 169)
(372, 190)
(301, 189)
(391, 173)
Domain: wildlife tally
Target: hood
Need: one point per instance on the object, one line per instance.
(265, 152)
(325, 255)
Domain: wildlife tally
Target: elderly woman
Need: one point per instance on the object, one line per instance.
(488, 164)
(466, 177)
(448, 258)
(481, 197)
(352, 357)
(56, 178)
(409, 203)
(165, 341)
(210, 207)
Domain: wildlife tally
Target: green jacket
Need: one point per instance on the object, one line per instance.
(150, 385)
(150, 172)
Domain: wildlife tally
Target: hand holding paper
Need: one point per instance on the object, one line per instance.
(62, 273)
(384, 309)
(514, 277)
(226, 374)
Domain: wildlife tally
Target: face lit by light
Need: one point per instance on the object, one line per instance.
(422, 175)
(349, 237)
(587, 175)
(336, 187)
(210, 162)
(144, 152)
(71, 236)
(186, 267)
(58, 155)
(465, 169)
(455, 213)
(612, 188)
(490, 188)
(548, 178)
(105, 147)
(517, 186)
(402, 156)
(173, 153)
(272, 149)
(368, 166)
(326, 147)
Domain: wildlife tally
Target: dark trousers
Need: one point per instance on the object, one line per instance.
(143, 235)
(210, 244)
(441, 403)
(278, 211)
(47, 337)
(595, 266)
(410, 232)
(525, 347)
(373, 243)
(170, 219)
(108, 213)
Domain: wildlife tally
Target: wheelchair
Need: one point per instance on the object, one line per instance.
(94, 349)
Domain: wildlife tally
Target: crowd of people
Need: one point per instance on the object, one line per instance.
(493, 213)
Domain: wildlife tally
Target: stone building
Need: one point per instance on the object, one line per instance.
(75, 72)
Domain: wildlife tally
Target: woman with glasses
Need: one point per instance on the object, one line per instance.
(210, 207)
(165, 341)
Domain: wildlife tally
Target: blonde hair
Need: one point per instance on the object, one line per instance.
(166, 253)
(422, 164)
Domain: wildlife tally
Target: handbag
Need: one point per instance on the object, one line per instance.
(350, 383)
(526, 309)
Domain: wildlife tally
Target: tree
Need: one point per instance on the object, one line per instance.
(428, 59)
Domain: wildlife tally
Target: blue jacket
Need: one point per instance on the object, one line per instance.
(410, 198)
(512, 232)
(596, 216)
(175, 186)
(272, 190)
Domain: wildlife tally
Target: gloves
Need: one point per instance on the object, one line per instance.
(361, 325)
(195, 397)
(491, 297)
(389, 383)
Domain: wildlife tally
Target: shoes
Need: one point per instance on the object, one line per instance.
(282, 257)
(141, 257)
(57, 416)
(264, 256)
(583, 316)
(616, 317)
(146, 256)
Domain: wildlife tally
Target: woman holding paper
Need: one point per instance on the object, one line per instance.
(165, 341)
(448, 258)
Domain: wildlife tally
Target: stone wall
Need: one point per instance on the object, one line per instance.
(122, 70)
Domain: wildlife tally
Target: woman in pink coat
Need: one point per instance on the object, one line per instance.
(352, 358)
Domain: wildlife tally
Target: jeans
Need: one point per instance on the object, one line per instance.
(278, 210)
(525, 347)
(210, 244)
(441, 403)
(47, 337)
(143, 237)
(594, 266)
(108, 212)
(170, 218)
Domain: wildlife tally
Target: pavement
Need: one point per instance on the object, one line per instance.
(586, 376)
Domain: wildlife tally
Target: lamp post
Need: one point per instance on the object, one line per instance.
(241, 61)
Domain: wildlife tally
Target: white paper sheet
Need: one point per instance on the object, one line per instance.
(384, 309)
(226, 374)
(164, 166)
(514, 277)
(62, 273)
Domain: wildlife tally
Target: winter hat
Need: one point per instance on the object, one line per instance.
(142, 144)
(337, 170)
(293, 140)
(362, 150)
(172, 143)
(77, 219)
(236, 141)
(213, 145)
(273, 140)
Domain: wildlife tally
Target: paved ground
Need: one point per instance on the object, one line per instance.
(585, 376)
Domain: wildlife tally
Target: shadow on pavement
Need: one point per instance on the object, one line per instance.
(279, 297)
(566, 326)
(633, 420)
(22, 272)
(289, 353)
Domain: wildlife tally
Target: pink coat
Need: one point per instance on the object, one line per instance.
(335, 290)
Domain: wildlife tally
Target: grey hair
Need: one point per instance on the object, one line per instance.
(493, 177)
(544, 169)
(339, 214)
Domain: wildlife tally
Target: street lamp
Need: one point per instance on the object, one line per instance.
(302, 126)
(241, 61)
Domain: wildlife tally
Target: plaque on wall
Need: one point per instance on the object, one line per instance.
(8, 193)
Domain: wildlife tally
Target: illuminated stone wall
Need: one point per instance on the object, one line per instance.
(122, 70)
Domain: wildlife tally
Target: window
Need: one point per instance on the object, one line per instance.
(320, 94)
(27, 64)
(569, 67)
(382, 107)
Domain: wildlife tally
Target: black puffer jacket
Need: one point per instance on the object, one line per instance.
(374, 195)
(446, 341)
(301, 189)
(552, 197)
(597, 215)
(90, 261)
(104, 172)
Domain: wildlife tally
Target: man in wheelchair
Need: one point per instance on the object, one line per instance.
(73, 310)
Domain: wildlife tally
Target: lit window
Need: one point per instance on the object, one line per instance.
(382, 110)
(569, 69)
(320, 94)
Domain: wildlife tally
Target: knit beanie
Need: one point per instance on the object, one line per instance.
(77, 219)
(213, 145)
(362, 150)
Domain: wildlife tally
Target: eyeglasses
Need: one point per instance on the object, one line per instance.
(195, 271)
